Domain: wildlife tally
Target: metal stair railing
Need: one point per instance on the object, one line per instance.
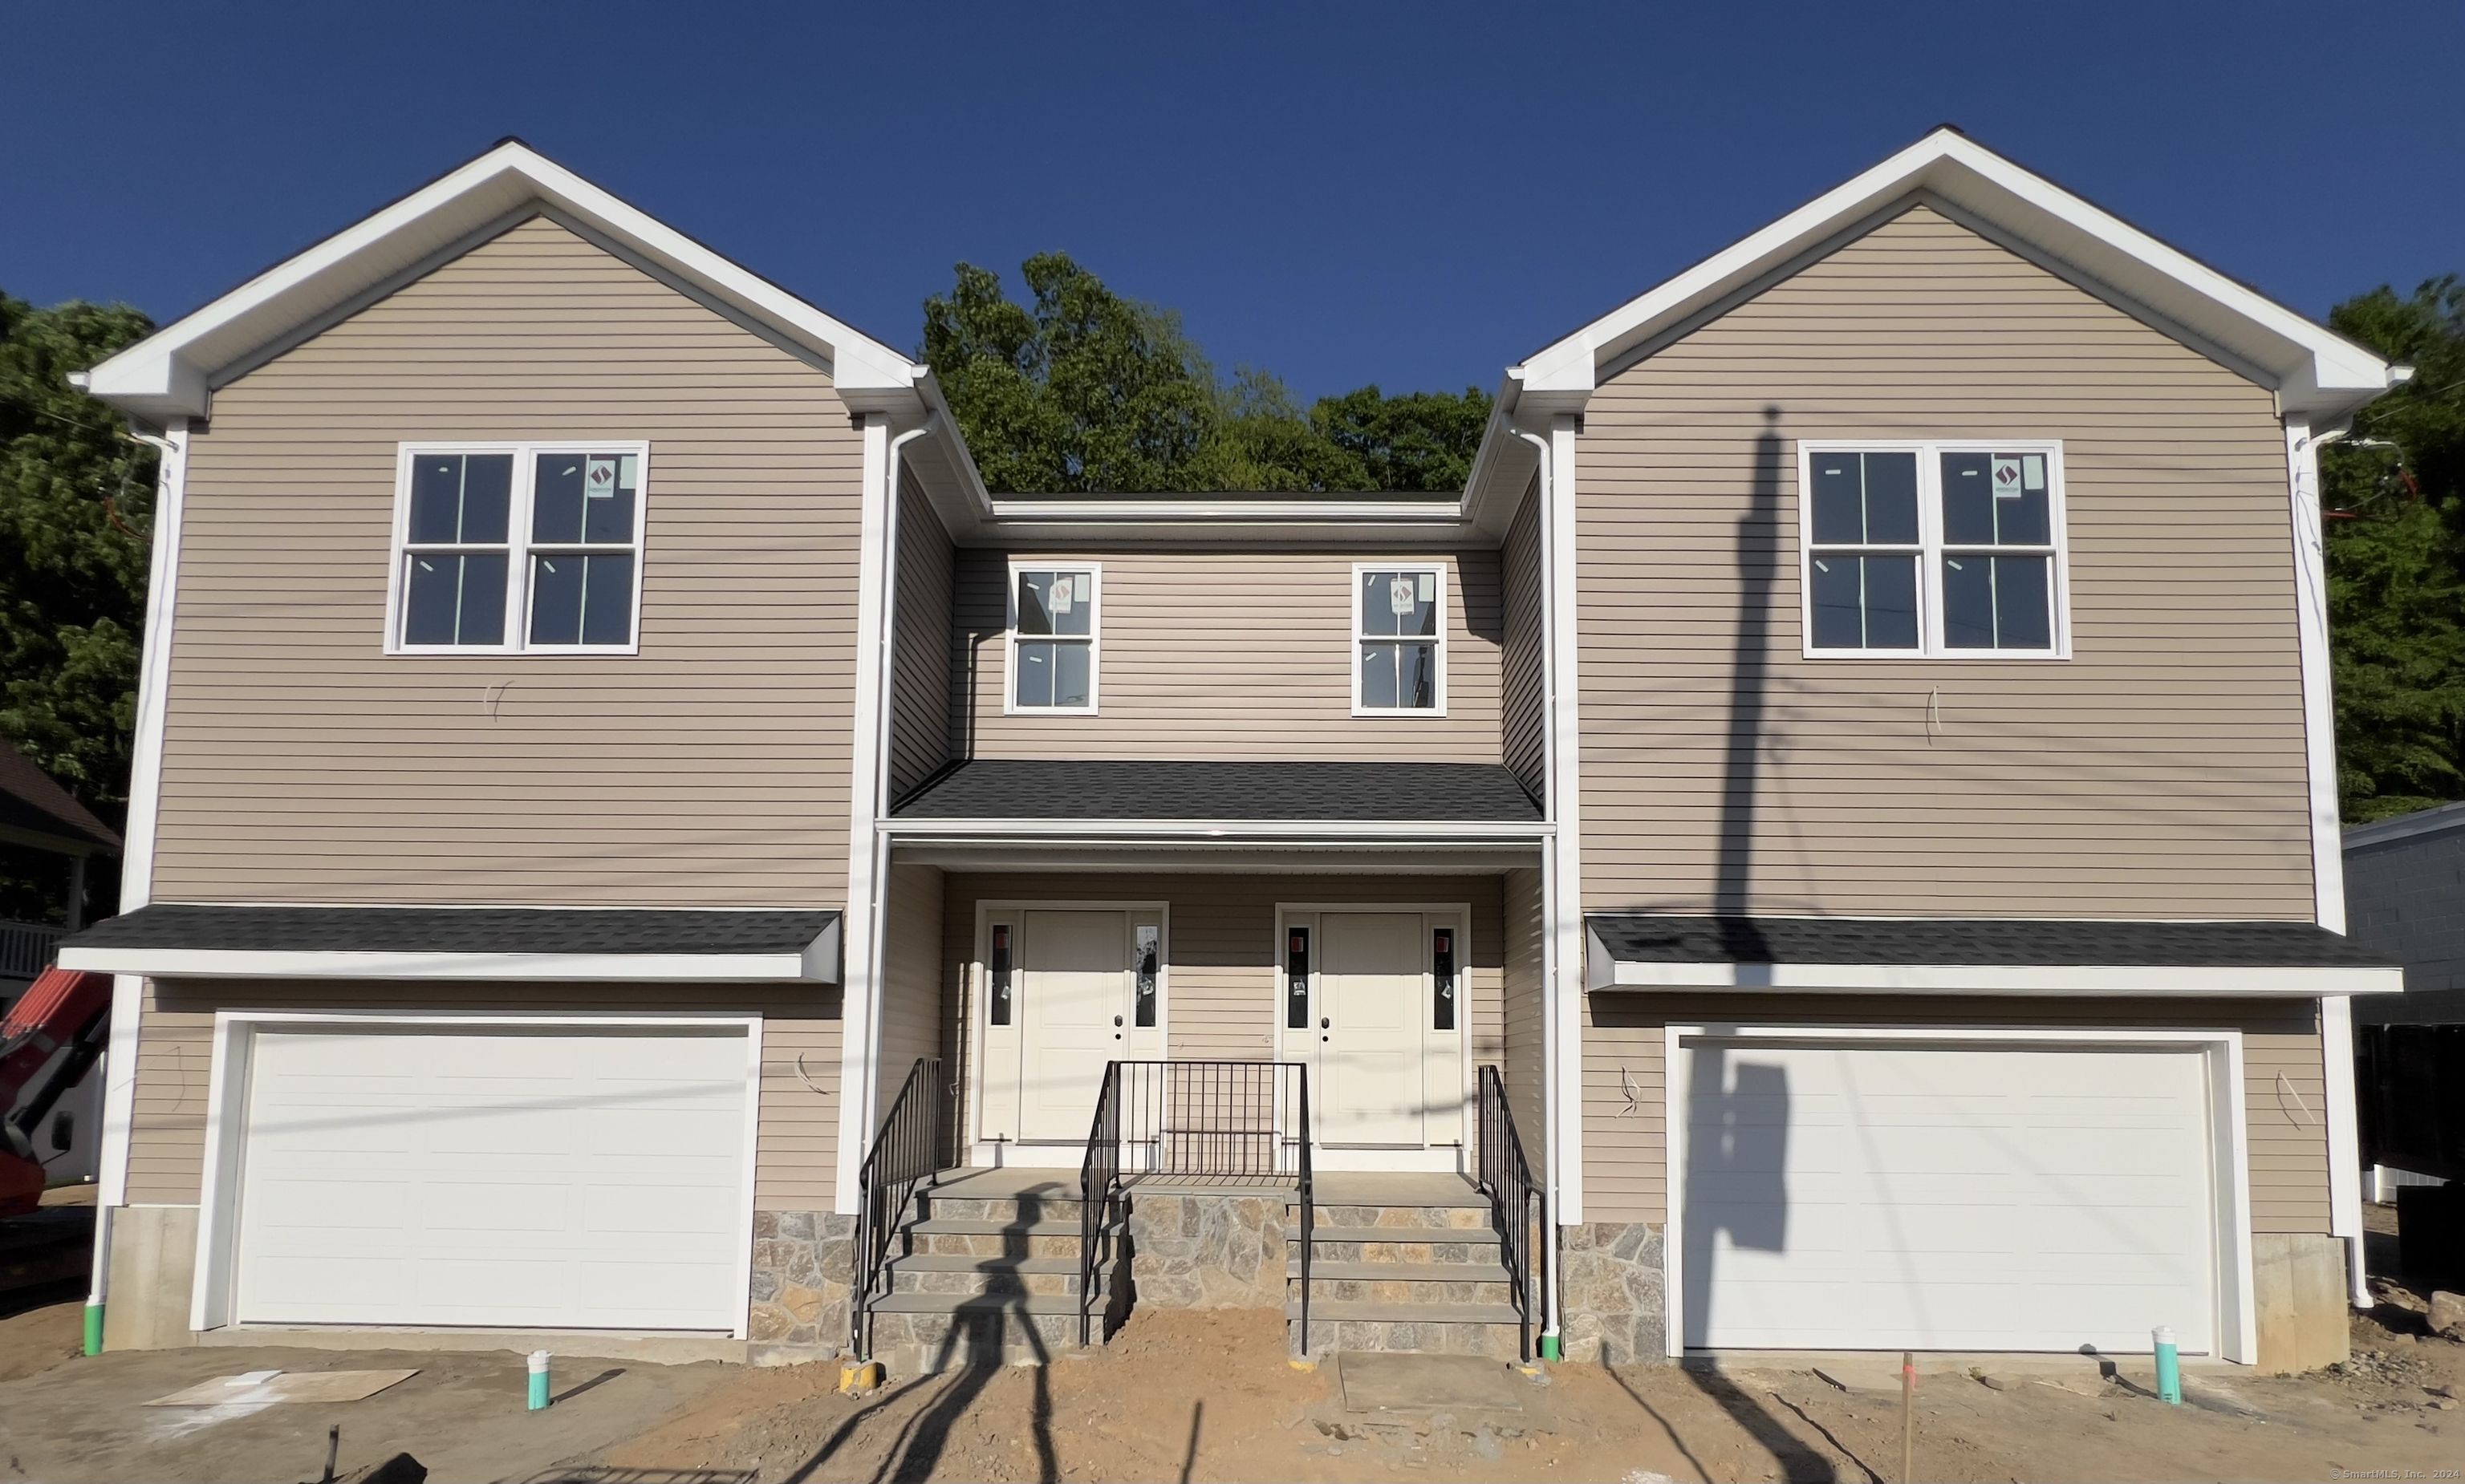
(907, 1150)
(1503, 1175)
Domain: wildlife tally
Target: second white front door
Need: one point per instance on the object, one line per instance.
(1381, 1026)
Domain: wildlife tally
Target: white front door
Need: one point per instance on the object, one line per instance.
(559, 1177)
(1370, 984)
(1073, 1008)
(1881, 1197)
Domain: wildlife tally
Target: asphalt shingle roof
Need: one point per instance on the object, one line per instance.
(1384, 792)
(456, 930)
(1976, 940)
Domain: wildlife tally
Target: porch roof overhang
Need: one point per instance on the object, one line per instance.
(218, 941)
(2023, 955)
(998, 812)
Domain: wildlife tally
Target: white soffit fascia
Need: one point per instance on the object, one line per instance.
(169, 373)
(2065, 979)
(817, 964)
(1106, 830)
(2319, 373)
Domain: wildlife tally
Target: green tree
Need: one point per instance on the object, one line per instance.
(2394, 493)
(1081, 390)
(75, 505)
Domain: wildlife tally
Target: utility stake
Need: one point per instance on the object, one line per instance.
(1908, 1415)
(539, 1380)
(2169, 1367)
(333, 1450)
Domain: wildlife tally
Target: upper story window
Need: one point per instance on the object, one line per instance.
(1054, 634)
(1934, 549)
(518, 549)
(1399, 649)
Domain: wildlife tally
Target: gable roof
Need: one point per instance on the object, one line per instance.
(36, 811)
(2315, 372)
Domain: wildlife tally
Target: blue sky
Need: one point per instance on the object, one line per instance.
(1339, 193)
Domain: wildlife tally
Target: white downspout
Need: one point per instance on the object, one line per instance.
(2328, 844)
(136, 852)
(1550, 1142)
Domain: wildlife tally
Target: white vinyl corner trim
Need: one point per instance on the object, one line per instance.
(868, 855)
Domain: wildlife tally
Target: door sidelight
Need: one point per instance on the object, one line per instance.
(1296, 979)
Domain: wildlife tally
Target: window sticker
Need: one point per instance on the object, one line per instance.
(599, 477)
(2007, 477)
(628, 465)
(1060, 590)
(2033, 472)
(1399, 595)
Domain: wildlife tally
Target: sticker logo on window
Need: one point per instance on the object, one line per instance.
(599, 477)
(1399, 596)
(2007, 477)
(2033, 470)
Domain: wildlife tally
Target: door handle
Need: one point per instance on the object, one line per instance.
(1323, 1022)
(1116, 1028)
(1117, 1020)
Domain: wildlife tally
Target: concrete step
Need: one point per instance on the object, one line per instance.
(918, 1334)
(1485, 1329)
(1366, 1312)
(959, 1275)
(970, 1236)
(961, 1304)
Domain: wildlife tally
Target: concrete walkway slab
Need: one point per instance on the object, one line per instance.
(1374, 1381)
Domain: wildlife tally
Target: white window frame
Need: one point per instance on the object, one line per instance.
(518, 545)
(1930, 545)
(1095, 571)
(1354, 639)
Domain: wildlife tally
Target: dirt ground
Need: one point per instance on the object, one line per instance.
(1209, 1396)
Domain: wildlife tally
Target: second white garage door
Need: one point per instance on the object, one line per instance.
(559, 1178)
(1944, 1198)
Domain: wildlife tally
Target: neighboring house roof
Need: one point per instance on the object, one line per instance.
(1981, 955)
(2443, 819)
(36, 811)
(2315, 372)
(997, 788)
(172, 372)
(463, 943)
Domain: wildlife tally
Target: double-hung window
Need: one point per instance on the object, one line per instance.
(1399, 645)
(518, 549)
(1053, 637)
(1937, 549)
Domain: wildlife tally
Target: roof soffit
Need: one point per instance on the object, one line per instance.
(172, 372)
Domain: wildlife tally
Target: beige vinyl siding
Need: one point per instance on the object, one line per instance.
(920, 715)
(302, 764)
(1240, 655)
(796, 1145)
(911, 988)
(1522, 681)
(1524, 1053)
(1626, 1172)
(2160, 772)
(1221, 956)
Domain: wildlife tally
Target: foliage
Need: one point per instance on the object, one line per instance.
(76, 504)
(1081, 390)
(2394, 490)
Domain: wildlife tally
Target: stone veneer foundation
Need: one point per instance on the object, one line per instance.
(1612, 1293)
(803, 1266)
(1206, 1249)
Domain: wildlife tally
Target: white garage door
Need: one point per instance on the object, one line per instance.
(1891, 1197)
(559, 1178)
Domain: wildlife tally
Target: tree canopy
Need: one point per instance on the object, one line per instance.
(1081, 390)
(77, 503)
(2393, 491)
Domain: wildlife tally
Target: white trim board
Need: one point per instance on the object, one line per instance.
(1059, 830)
(227, 1086)
(818, 963)
(1993, 978)
(2237, 1325)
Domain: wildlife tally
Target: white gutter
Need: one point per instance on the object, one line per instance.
(1551, 1156)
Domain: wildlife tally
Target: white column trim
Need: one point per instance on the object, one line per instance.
(2327, 845)
(860, 988)
(1566, 813)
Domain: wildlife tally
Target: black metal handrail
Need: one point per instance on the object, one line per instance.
(907, 1150)
(1221, 1123)
(1506, 1176)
